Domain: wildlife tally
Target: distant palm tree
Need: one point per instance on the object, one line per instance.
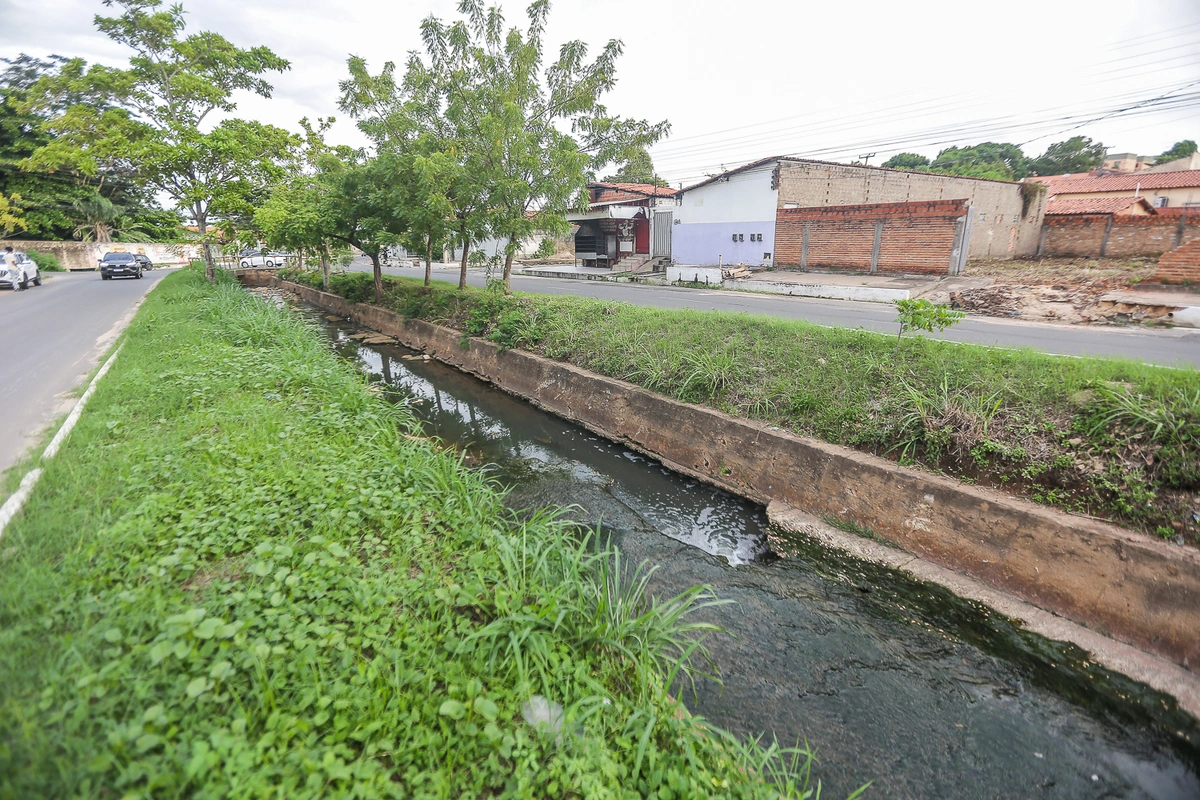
(103, 221)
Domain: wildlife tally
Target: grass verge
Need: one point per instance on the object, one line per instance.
(1112, 438)
(242, 578)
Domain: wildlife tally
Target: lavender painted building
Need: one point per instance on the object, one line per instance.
(729, 219)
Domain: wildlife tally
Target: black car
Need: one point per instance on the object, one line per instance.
(123, 264)
(144, 260)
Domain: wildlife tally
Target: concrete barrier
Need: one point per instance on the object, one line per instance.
(1120, 583)
(683, 274)
(869, 294)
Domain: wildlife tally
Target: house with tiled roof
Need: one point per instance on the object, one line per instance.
(1117, 204)
(1161, 189)
(626, 225)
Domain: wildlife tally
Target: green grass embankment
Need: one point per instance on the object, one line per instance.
(1112, 438)
(245, 576)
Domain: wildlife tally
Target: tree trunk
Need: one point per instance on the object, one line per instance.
(428, 260)
(378, 276)
(210, 269)
(324, 269)
(508, 259)
(462, 267)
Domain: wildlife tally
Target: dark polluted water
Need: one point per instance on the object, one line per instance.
(889, 680)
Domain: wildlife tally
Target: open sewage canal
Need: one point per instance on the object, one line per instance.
(889, 680)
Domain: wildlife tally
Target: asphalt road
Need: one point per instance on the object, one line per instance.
(1171, 347)
(53, 336)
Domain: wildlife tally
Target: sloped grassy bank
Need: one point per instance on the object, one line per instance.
(1112, 438)
(248, 576)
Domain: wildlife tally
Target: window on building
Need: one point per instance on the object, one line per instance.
(741, 237)
(766, 256)
(735, 237)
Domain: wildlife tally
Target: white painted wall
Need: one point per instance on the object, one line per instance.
(744, 197)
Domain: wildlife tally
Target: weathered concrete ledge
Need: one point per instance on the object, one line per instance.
(1116, 582)
(1152, 670)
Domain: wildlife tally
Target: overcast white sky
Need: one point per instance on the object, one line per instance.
(744, 80)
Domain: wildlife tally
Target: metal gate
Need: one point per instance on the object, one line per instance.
(661, 240)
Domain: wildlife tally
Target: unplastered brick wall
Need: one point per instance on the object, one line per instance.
(914, 237)
(1002, 227)
(1181, 265)
(1117, 236)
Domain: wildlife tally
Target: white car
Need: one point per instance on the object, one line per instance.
(254, 258)
(29, 272)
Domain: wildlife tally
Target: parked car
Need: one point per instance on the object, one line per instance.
(29, 272)
(144, 260)
(122, 264)
(254, 258)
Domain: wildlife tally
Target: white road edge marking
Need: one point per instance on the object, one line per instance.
(13, 505)
(73, 417)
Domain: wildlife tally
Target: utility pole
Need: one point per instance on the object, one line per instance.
(866, 158)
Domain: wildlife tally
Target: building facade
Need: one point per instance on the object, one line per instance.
(736, 217)
(620, 224)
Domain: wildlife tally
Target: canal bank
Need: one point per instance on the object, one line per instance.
(1120, 584)
(888, 678)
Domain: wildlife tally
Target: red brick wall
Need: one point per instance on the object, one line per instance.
(1180, 265)
(1130, 236)
(917, 237)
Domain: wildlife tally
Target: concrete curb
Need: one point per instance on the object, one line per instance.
(1117, 582)
(14, 504)
(1152, 670)
(866, 294)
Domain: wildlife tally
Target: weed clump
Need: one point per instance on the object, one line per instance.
(1107, 437)
(245, 576)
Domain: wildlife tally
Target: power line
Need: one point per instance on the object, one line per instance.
(946, 135)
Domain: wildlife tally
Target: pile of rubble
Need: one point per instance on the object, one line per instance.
(1100, 301)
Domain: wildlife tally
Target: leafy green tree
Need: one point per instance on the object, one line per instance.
(1077, 154)
(297, 215)
(49, 197)
(995, 160)
(11, 219)
(420, 198)
(636, 167)
(151, 115)
(428, 115)
(528, 134)
(1179, 150)
(907, 161)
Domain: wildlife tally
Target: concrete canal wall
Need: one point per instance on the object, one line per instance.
(1117, 582)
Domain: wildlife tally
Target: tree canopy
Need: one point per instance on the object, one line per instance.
(515, 139)
(907, 161)
(638, 167)
(1178, 150)
(152, 115)
(1077, 154)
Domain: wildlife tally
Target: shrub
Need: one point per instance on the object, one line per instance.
(46, 262)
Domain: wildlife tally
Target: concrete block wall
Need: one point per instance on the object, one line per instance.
(84, 255)
(1001, 228)
(1116, 235)
(914, 237)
